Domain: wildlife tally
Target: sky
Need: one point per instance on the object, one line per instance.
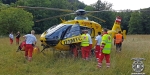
(123, 4)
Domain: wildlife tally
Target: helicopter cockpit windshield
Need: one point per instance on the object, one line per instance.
(53, 29)
(55, 33)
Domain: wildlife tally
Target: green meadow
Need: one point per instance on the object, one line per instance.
(47, 63)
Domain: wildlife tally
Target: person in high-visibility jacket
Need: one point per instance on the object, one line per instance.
(85, 45)
(118, 39)
(105, 49)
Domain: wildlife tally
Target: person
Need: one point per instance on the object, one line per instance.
(97, 45)
(85, 45)
(105, 49)
(11, 36)
(90, 41)
(118, 39)
(17, 37)
(30, 43)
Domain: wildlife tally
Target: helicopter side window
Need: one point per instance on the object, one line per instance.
(83, 28)
(74, 31)
(89, 31)
(53, 29)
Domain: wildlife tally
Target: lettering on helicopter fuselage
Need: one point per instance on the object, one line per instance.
(65, 42)
(72, 40)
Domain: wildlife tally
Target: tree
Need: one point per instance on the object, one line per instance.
(39, 14)
(8, 1)
(99, 5)
(135, 26)
(145, 13)
(14, 19)
(108, 16)
(125, 16)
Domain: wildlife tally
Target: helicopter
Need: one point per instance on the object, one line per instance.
(66, 36)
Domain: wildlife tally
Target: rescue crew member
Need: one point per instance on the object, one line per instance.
(17, 37)
(97, 45)
(30, 42)
(105, 49)
(118, 39)
(90, 41)
(85, 45)
(11, 36)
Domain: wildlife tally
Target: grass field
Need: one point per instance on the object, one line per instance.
(14, 63)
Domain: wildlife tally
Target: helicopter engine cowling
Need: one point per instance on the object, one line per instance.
(80, 12)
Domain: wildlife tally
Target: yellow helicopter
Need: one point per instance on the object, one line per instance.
(66, 35)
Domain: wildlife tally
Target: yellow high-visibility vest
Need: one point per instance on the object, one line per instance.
(106, 39)
(85, 40)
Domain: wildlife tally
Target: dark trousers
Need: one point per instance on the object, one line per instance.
(118, 46)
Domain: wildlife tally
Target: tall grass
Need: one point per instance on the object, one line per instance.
(14, 63)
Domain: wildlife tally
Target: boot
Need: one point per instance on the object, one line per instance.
(107, 65)
(86, 58)
(120, 49)
(97, 59)
(29, 59)
(99, 65)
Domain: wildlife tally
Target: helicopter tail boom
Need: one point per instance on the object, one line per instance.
(116, 27)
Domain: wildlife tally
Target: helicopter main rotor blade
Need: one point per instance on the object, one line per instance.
(97, 11)
(45, 8)
(54, 17)
(109, 10)
(117, 10)
(96, 18)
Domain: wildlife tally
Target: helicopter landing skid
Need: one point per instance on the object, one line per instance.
(44, 47)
